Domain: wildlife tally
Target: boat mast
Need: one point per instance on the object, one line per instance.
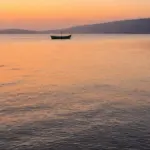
(61, 34)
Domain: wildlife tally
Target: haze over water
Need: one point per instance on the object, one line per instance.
(88, 93)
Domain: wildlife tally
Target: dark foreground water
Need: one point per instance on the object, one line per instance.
(89, 93)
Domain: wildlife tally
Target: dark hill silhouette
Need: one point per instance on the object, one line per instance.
(17, 31)
(135, 26)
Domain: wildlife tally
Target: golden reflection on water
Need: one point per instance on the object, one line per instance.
(32, 67)
(71, 62)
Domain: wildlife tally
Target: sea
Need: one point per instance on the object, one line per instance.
(88, 93)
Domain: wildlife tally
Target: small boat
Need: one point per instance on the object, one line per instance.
(54, 37)
(61, 37)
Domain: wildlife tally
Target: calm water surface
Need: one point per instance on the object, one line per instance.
(89, 93)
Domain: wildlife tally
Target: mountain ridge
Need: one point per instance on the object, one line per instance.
(132, 26)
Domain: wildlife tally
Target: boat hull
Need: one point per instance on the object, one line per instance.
(61, 37)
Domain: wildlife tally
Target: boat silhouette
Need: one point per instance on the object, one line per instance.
(61, 37)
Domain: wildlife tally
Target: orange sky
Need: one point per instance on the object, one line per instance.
(47, 14)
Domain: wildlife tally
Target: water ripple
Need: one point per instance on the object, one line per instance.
(10, 83)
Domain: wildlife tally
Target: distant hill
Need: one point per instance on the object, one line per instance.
(135, 26)
(17, 31)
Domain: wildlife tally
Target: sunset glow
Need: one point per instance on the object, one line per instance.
(48, 14)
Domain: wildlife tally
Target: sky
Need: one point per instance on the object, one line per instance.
(51, 14)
